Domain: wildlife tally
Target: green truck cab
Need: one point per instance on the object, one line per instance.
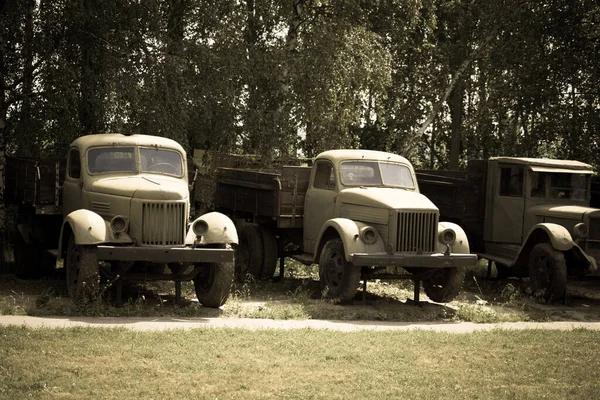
(358, 214)
(530, 216)
(125, 201)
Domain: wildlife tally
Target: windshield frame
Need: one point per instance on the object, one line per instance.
(137, 157)
(553, 192)
(143, 160)
(378, 174)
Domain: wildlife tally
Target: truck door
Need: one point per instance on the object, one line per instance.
(319, 204)
(71, 195)
(508, 204)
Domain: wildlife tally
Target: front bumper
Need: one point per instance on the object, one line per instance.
(165, 254)
(435, 260)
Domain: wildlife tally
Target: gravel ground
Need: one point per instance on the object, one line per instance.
(158, 324)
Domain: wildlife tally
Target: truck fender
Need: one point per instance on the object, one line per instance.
(559, 236)
(221, 229)
(88, 228)
(349, 231)
(460, 245)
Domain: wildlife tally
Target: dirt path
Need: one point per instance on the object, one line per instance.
(159, 324)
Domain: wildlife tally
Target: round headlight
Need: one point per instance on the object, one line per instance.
(447, 236)
(581, 230)
(368, 235)
(200, 227)
(119, 224)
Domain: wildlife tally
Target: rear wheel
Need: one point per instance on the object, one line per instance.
(339, 278)
(445, 284)
(249, 252)
(82, 270)
(548, 271)
(270, 253)
(213, 283)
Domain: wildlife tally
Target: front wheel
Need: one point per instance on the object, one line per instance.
(445, 284)
(339, 278)
(82, 270)
(548, 271)
(213, 283)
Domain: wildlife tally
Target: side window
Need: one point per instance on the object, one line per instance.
(324, 176)
(511, 181)
(74, 164)
(538, 184)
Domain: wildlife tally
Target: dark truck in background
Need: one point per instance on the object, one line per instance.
(531, 217)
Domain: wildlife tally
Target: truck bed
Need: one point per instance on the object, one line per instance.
(34, 182)
(276, 195)
(460, 196)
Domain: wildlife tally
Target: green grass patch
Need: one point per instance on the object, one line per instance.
(301, 364)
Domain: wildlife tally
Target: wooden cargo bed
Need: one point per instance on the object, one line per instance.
(460, 196)
(34, 182)
(277, 196)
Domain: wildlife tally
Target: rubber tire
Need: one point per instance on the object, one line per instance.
(445, 284)
(249, 252)
(26, 258)
(548, 271)
(339, 278)
(82, 270)
(270, 253)
(213, 285)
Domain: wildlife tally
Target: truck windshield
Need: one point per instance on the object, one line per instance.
(376, 173)
(111, 159)
(161, 161)
(560, 185)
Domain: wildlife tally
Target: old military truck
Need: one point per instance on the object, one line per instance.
(358, 214)
(530, 216)
(123, 200)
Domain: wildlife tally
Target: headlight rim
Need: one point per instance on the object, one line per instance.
(200, 226)
(368, 234)
(447, 240)
(115, 220)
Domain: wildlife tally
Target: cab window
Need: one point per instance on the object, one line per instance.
(324, 176)
(74, 164)
(538, 184)
(511, 181)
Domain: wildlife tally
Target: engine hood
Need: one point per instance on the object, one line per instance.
(562, 211)
(381, 197)
(142, 187)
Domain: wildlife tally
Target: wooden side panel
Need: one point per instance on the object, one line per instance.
(34, 182)
(247, 191)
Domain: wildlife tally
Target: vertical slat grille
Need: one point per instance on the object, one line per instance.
(163, 224)
(416, 231)
(594, 229)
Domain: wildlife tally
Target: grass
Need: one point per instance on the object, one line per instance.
(241, 364)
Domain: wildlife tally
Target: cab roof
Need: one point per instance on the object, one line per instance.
(118, 139)
(357, 154)
(545, 162)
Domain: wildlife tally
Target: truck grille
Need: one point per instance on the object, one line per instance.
(594, 229)
(416, 232)
(163, 224)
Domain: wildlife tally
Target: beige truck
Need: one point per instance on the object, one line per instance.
(118, 208)
(358, 214)
(529, 216)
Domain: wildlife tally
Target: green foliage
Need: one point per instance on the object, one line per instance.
(278, 77)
